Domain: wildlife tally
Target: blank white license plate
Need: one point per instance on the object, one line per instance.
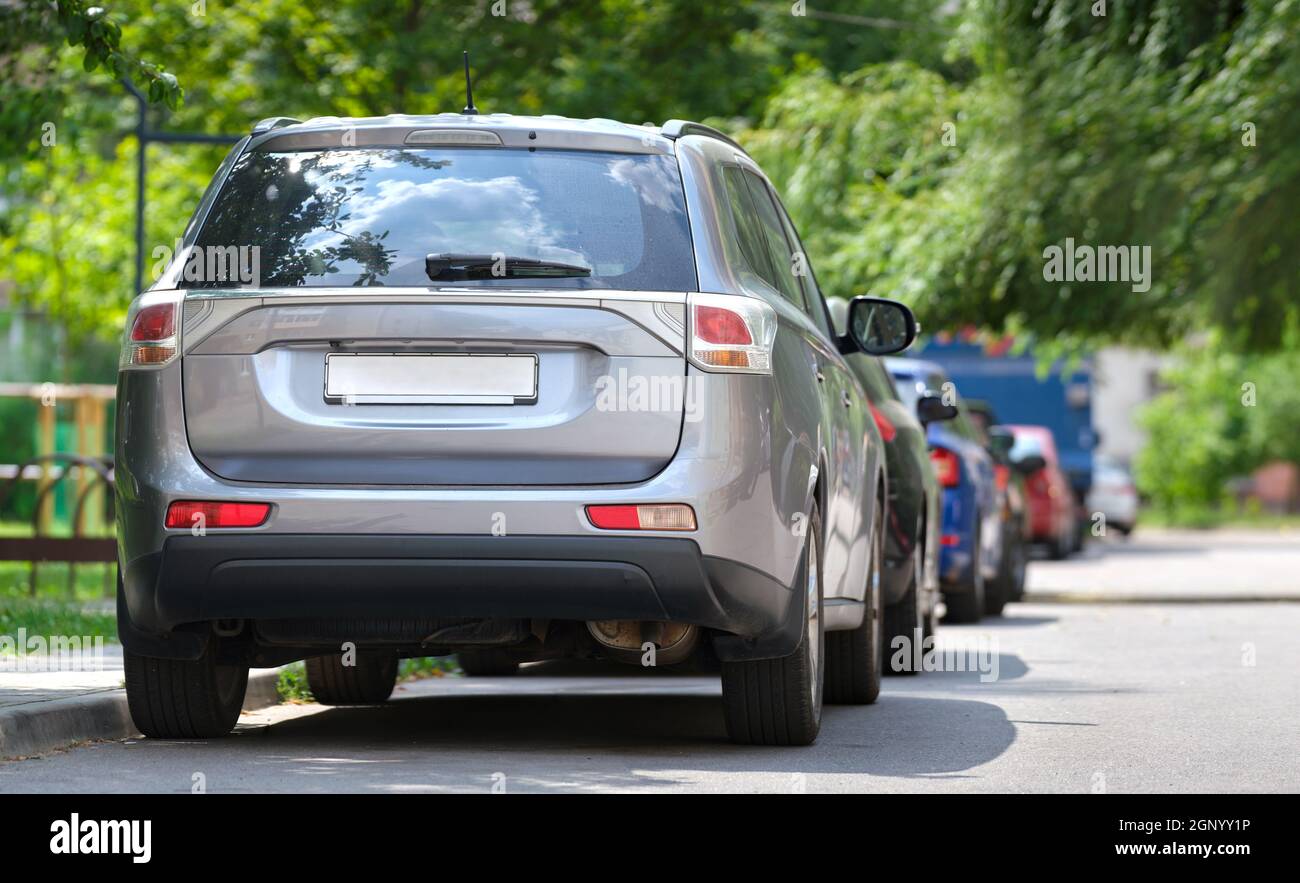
(430, 378)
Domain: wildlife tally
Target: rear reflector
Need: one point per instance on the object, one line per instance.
(950, 539)
(189, 514)
(672, 516)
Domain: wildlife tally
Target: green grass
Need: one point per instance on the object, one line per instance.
(1209, 519)
(44, 617)
(292, 685)
(427, 667)
(89, 583)
(52, 581)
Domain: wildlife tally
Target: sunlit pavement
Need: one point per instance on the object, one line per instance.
(1088, 697)
(1161, 565)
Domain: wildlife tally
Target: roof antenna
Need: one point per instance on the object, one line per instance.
(469, 94)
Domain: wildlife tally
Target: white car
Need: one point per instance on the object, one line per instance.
(1114, 495)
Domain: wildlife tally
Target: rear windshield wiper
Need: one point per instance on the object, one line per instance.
(451, 267)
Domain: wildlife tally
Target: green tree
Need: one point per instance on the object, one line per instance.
(1161, 124)
(1223, 415)
(66, 210)
(39, 83)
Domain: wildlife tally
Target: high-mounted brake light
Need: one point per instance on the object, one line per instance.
(731, 332)
(670, 516)
(151, 326)
(192, 513)
(946, 467)
(454, 138)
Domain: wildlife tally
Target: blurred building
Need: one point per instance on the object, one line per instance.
(1123, 380)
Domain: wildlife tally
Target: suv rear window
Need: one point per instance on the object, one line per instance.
(369, 216)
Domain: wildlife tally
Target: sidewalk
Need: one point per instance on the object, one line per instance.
(42, 711)
(1174, 566)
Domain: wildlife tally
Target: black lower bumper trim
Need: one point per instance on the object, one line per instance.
(277, 576)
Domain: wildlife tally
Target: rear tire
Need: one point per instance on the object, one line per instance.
(855, 659)
(967, 605)
(779, 701)
(184, 699)
(1010, 582)
(490, 663)
(907, 618)
(368, 682)
(1021, 573)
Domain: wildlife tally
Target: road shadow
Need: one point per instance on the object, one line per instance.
(1009, 617)
(597, 668)
(975, 668)
(569, 742)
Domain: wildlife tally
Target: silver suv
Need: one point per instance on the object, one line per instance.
(510, 387)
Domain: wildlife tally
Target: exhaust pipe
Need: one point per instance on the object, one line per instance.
(625, 639)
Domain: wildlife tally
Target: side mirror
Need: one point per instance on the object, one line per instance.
(1001, 442)
(930, 408)
(1030, 464)
(879, 327)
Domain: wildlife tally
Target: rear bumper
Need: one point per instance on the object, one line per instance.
(374, 576)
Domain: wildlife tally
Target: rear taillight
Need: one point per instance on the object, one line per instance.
(946, 467)
(154, 323)
(731, 332)
(671, 516)
(1002, 475)
(151, 326)
(887, 430)
(190, 514)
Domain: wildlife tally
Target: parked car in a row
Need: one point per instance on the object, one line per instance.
(1053, 510)
(1009, 584)
(1113, 495)
(520, 388)
(971, 542)
(1057, 397)
(910, 578)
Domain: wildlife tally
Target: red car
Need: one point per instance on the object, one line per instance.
(1053, 515)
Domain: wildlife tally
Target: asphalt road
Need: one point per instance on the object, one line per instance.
(1115, 697)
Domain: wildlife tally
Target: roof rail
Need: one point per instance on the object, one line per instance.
(674, 129)
(270, 123)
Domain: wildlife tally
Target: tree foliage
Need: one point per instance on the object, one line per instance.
(1162, 124)
(66, 208)
(926, 150)
(1223, 415)
(39, 79)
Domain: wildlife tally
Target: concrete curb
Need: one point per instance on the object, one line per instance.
(41, 727)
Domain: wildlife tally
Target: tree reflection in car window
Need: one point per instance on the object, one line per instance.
(369, 217)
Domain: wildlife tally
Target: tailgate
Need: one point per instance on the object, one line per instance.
(525, 389)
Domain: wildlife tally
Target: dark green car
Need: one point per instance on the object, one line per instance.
(910, 578)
